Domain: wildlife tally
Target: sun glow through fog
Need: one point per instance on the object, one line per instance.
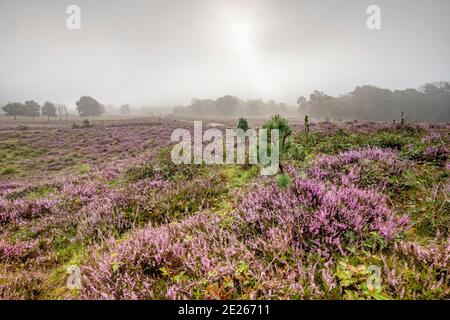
(241, 37)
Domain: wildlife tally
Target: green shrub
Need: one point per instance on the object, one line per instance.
(389, 140)
(9, 170)
(84, 168)
(85, 123)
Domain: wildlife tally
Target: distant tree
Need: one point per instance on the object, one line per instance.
(437, 98)
(14, 109)
(110, 109)
(61, 109)
(65, 110)
(89, 107)
(32, 109)
(320, 103)
(227, 105)
(48, 110)
(243, 124)
(125, 109)
(302, 101)
(280, 123)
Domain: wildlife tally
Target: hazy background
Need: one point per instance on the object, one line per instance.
(167, 52)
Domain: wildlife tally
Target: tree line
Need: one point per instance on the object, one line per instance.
(231, 106)
(430, 103)
(86, 107)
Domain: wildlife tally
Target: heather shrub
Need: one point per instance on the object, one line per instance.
(140, 172)
(317, 216)
(23, 284)
(117, 211)
(414, 271)
(16, 191)
(370, 167)
(437, 154)
(186, 198)
(19, 251)
(168, 262)
(171, 171)
(200, 258)
(20, 210)
(160, 167)
(433, 137)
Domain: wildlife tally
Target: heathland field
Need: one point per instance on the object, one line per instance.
(361, 211)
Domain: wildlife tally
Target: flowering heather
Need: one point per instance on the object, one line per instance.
(108, 199)
(358, 167)
(16, 251)
(20, 210)
(65, 149)
(435, 153)
(318, 216)
(433, 137)
(196, 258)
(191, 249)
(434, 254)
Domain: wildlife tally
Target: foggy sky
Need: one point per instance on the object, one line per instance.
(170, 51)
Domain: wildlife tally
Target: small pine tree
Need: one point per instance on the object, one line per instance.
(283, 181)
(306, 124)
(402, 120)
(281, 124)
(243, 124)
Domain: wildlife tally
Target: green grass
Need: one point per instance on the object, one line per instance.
(8, 171)
(84, 168)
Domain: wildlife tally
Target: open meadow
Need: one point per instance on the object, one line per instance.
(355, 199)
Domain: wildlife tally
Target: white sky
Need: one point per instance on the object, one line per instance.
(169, 51)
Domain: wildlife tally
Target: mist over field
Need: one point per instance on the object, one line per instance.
(161, 53)
(224, 150)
